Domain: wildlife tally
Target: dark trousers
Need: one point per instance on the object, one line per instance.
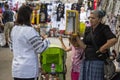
(25, 78)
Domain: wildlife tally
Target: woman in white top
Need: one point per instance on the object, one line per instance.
(26, 44)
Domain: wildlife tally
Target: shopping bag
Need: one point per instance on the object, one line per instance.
(109, 70)
(2, 39)
(117, 66)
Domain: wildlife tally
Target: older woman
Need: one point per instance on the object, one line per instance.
(93, 66)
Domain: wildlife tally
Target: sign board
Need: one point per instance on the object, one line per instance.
(72, 21)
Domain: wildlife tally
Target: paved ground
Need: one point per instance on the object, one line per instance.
(6, 58)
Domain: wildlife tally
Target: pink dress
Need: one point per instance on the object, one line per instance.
(76, 62)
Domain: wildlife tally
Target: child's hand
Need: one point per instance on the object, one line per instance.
(70, 33)
(60, 38)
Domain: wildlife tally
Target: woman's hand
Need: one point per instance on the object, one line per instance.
(44, 36)
(102, 50)
(107, 45)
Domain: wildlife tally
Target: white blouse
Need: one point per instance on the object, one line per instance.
(83, 16)
(26, 44)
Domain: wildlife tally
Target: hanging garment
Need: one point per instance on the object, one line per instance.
(90, 5)
(60, 12)
(76, 6)
(95, 4)
(110, 6)
(103, 4)
(117, 8)
(43, 13)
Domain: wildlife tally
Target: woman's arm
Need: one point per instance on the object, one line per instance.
(108, 44)
(82, 45)
(111, 39)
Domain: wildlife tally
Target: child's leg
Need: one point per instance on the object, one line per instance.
(74, 75)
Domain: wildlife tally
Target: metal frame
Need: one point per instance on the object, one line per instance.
(72, 21)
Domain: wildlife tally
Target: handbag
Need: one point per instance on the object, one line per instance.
(109, 70)
(117, 63)
(101, 56)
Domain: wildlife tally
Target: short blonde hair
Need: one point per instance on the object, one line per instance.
(73, 41)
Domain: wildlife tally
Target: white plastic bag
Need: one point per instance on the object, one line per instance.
(2, 39)
(117, 65)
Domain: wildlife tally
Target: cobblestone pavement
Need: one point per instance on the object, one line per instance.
(6, 59)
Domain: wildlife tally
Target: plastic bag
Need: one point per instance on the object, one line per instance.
(2, 39)
(118, 57)
(109, 70)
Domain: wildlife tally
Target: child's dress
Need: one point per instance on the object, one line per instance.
(77, 54)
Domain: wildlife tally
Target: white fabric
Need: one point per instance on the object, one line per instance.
(117, 8)
(53, 20)
(62, 24)
(117, 65)
(26, 44)
(110, 6)
(2, 39)
(83, 16)
(14, 16)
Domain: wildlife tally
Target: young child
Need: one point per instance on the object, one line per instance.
(77, 54)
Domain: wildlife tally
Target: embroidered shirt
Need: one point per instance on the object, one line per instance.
(26, 44)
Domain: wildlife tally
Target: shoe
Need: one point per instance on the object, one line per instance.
(5, 46)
